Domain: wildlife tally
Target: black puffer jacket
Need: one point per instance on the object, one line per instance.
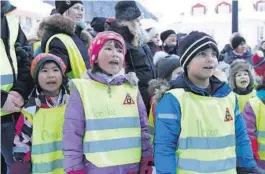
(138, 60)
(56, 24)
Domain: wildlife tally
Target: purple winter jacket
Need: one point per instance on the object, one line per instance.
(250, 120)
(74, 130)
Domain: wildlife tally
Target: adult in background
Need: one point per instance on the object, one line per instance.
(15, 76)
(65, 37)
(138, 58)
(154, 42)
(240, 51)
(169, 41)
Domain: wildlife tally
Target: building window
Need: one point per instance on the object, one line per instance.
(28, 21)
(261, 6)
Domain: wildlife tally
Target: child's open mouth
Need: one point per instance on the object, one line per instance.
(51, 83)
(244, 82)
(114, 62)
(208, 67)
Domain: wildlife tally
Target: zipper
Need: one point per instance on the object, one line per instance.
(109, 90)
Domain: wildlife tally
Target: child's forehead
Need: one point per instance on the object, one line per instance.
(49, 64)
(240, 70)
(209, 50)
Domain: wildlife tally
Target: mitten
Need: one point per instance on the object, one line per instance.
(146, 165)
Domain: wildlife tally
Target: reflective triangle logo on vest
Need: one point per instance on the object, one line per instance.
(128, 100)
(228, 116)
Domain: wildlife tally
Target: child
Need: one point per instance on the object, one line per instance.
(199, 128)
(39, 128)
(241, 81)
(168, 68)
(254, 115)
(105, 129)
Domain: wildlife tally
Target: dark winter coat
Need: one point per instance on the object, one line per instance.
(154, 48)
(23, 83)
(56, 24)
(138, 60)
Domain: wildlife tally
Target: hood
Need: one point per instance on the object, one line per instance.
(118, 79)
(234, 68)
(112, 25)
(157, 88)
(6, 7)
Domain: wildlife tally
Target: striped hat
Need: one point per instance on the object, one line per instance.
(194, 43)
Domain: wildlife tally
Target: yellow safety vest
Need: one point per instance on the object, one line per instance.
(75, 58)
(46, 152)
(259, 110)
(207, 140)
(7, 76)
(151, 125)
(243, 99)
(113, 132)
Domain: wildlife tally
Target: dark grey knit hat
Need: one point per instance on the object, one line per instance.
(127, 10)
(192, 44)
(165, 64)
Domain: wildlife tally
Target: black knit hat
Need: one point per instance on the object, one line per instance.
(164, 35)
(192, 44)
(127, 10)
(62, 6)
(236, 41)
(98, 24)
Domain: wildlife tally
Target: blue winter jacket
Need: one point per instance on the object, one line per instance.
(168, 130)
(231, 56)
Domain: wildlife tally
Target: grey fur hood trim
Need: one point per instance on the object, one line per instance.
(132, 78)
(60, 24)
(86, 37)
(157, 88)
(234, 68)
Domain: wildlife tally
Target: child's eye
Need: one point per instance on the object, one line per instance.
(119, 50)
(43, 70)
(108, 48)
(202, 53)
(56, 70)
(214, 54)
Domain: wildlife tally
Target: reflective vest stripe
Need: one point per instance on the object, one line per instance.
(151, 130)
(112, 123)
(6, 79)
(206, 142)
(20, 149)
(167, 116)
(260, 170)
(113, 144)
(261, 134)
(207, 166)
(48, 167)
(46, 148)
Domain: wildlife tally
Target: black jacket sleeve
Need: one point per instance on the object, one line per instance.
(57, 48)
(24, 83)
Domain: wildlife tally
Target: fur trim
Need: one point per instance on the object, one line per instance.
(157, 88)
(234, 68)
(59, 23)
(158, 56)
(132, 78)
(86, 37)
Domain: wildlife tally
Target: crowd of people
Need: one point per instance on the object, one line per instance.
(114, 98)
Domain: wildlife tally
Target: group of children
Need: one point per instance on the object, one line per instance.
(102, 126)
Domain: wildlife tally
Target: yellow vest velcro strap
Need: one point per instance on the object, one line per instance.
(110, 145)
(151, 130)
(167, 116)
(47, 167)
(46, 148)
(207, 142)
(112, 123)
(206, 166)
(7, 79)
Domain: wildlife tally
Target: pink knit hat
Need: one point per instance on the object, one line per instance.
(99, 42)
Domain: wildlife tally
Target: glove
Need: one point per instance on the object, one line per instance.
(146, 165)
(23, 51)
(77, 172)
(20, 167)
(255, 148)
